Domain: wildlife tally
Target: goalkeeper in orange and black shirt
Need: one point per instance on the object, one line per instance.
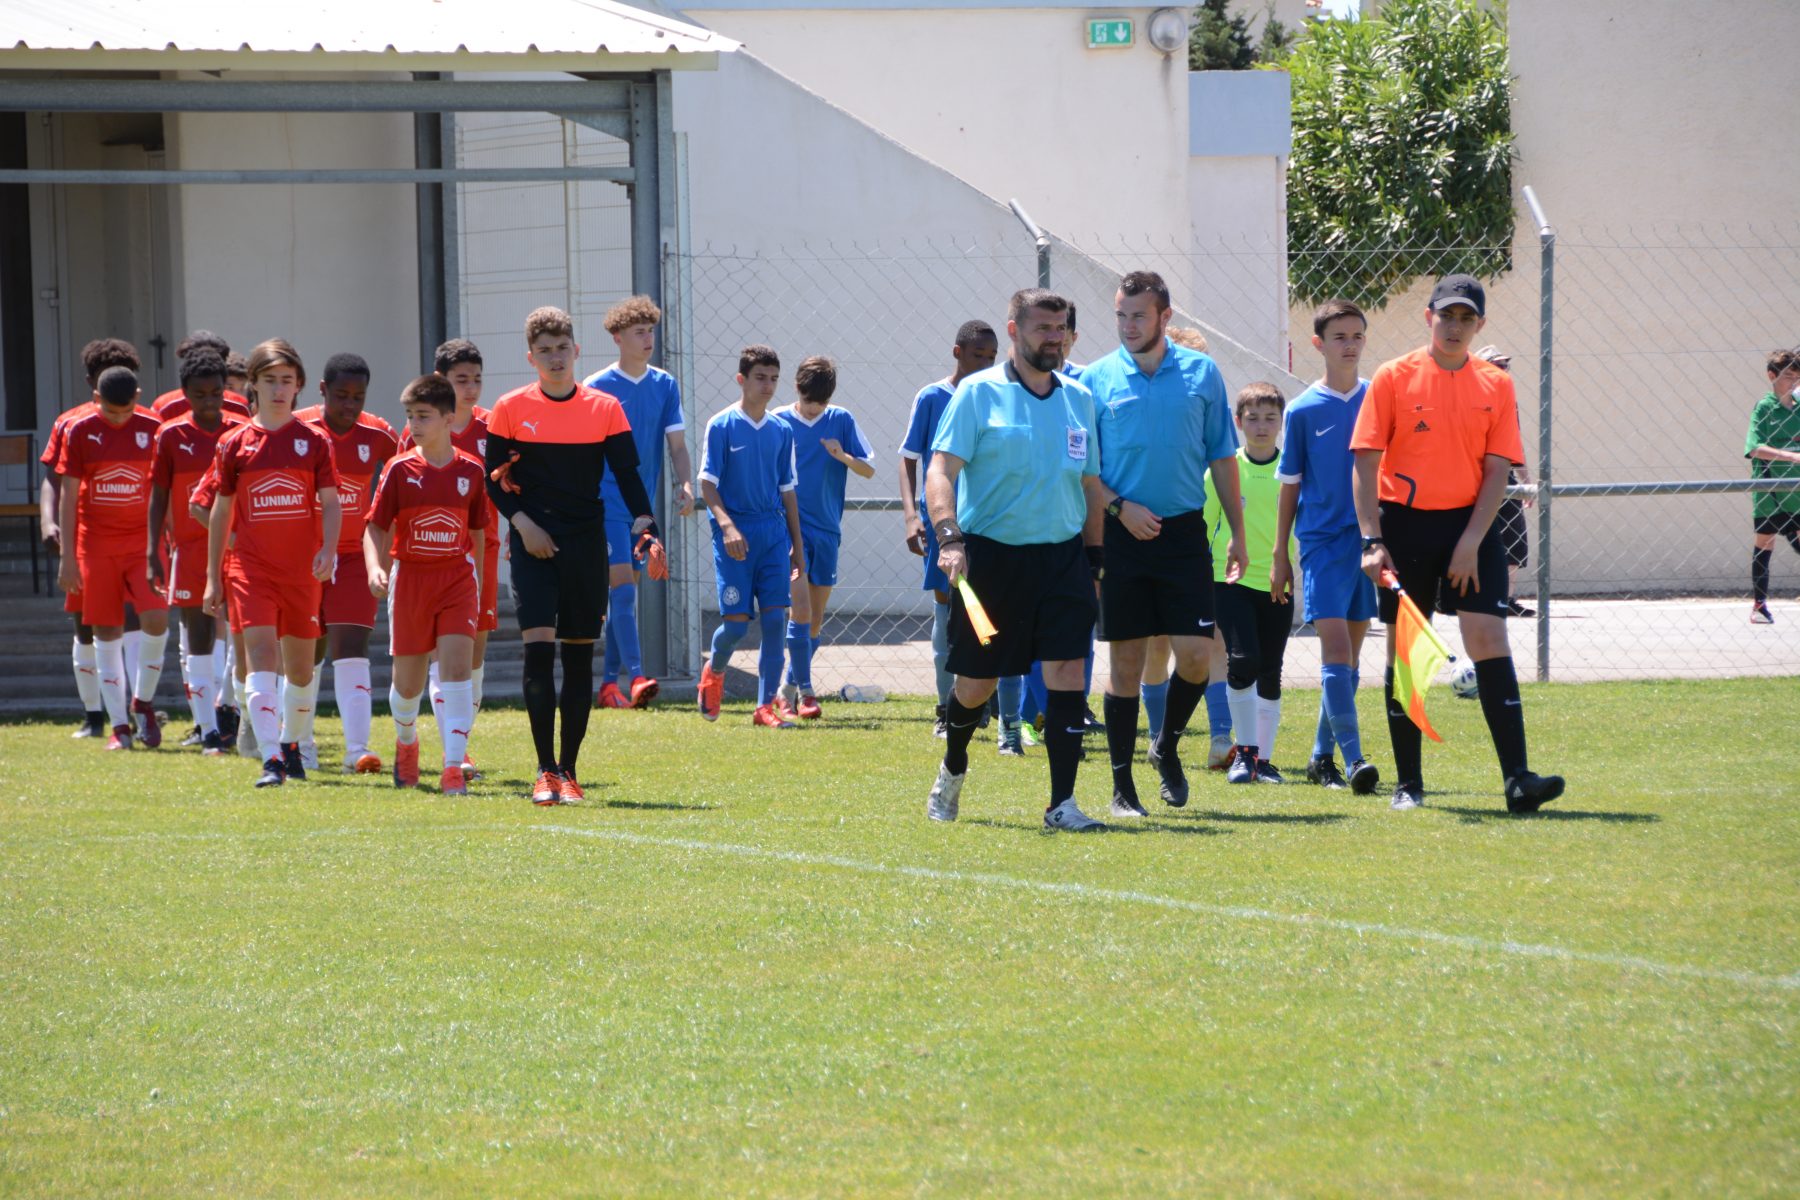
(548, 445)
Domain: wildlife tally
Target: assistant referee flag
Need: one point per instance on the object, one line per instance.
(1419, 654)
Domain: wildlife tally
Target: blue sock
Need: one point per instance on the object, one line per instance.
(1156, 702)
(621, 628)
(1340, 702)
(1012, 687)
(768, 672)
(940, 650)
(725, 639)
(1323, 742)
(1034, 697)
(609, 671)
(1218, 709)
(800, 643)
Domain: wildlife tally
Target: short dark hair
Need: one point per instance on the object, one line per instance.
(432, 389)
(117, 385)
(202, 339)
(1033, 297)
(1136, 283)
(548, 319)
(1331, 310)
(345, 364)
(1260, 392)
(1781, 360)
(235, 365)
(102, 353)
(970, 332)
(1071, 316)
(199, 364)
(454, 351)
(757, 356)
(816, 379)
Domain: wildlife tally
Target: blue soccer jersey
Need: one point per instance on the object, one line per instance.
(1024, 456)
(821, 478)
(922, 426)
(653, 406)
(750, 462)
(1158, 433)
(1316, 454)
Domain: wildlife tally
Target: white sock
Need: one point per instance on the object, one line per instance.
(355, 701)
(406, 716)
(262, 700)
(87, 676)
(1268, 720)
(111, 665)
(475, 685)
(240, 690)
(435, 690)
(181, 641)
(202, 691)
(297, 709)
(132, 640)
(1243, 716)
(150, 665)
(459, 714)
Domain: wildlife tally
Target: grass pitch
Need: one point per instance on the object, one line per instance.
(750, 967)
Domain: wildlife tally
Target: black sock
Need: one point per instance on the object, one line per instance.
(1759, 574)
(1065, 714)
(959, 727)
(1406, 738)
(577, 700)
(1121, 713)
(1184, 698)
(1504, 711)
(540, 700)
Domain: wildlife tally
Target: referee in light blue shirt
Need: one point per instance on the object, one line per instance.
(1014, 474)
(1162, 418)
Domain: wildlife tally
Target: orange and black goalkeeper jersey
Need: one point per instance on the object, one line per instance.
(562, 448)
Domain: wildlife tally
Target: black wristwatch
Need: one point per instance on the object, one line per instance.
(1112, 510)
(1370, 543)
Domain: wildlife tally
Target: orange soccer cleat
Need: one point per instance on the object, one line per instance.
(611, 697)
(643, 691)
(568, 791)
(712, 692)
(470, 771)
(367, 763)
(808, 709)
(548, 789)
(771, 716)
(452, 783)
(406, 764)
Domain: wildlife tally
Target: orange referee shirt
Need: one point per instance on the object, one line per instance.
(1434, 428)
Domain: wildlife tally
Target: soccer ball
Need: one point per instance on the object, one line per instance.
(1462, 678)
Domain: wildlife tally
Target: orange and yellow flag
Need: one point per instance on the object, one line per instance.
(1419, 654)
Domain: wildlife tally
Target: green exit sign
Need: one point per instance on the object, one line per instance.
(1108, 35)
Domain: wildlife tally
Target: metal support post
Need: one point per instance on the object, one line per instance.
(1546, 362)
(1039, 237)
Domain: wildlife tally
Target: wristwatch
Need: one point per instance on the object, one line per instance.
(1370, 543)
(1112, 510)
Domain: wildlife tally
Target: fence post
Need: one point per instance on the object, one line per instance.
(1546, 364)
(1041, 238)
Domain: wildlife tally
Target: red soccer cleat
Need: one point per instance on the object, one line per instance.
(712, 692)
(149, 730)
(452, 783)
(548, 790)
(808, 709)
(643, 691)
(368, 763)
(771, 716)
(568, 791)
(120, 739)
(406, 765)
(611, 697)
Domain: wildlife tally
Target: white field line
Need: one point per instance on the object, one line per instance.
(1234, 912)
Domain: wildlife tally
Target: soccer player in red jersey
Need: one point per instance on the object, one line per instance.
(171, 405)
(185, 448)
(423, 542)
(108, 454)
(234, 672)
(280, 515)
(361, 443)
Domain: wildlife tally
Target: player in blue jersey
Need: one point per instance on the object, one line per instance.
(747, 480)
(975, 349)
(1318, 505)
(827, 447)
(652, 402)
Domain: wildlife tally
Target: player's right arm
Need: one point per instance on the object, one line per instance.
(50, 509)
(159, 512)
(712, 467)
(378, 557)
(68, 572)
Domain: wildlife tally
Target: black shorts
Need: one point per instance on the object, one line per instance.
(1514, 535)
(566, 591)
(1421, 541)
(1164, 585)
(1040, 599)
(1787, 524)
(1255, 627)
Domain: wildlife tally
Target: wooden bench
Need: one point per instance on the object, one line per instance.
(20, 449)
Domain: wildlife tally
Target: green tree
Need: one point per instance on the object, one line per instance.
(1403, 146)
(1219, 39)
(1276, 41)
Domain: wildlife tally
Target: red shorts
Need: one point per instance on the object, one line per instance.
(346, 599)
(109, 583)
(429, 602)
(187, 574)
(489, 618)
(290, 605)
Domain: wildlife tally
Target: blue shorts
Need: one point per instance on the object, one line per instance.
(619, 548)
(1332, 577)
(760, 579)
(935, 579)
(821, 550)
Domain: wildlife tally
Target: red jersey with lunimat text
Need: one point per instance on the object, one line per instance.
(273, 480)
(359, 455)
(471, 440)
(113, 464)
(174, 405)
(183, 453)
(431, 509)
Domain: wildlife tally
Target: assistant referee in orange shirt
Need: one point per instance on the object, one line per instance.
(1434, 442)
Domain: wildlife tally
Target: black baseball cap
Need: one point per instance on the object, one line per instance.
(1459, 289)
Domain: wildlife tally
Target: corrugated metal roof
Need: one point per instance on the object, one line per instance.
(407, 27)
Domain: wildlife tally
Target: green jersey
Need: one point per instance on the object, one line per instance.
(1777, 426)
(1262, 500)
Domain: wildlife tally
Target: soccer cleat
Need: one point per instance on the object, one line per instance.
(1323, 770)
(212, 745)
(808, 709)
(611, 697)
(945, 793)
(1266, 772)
(1516, 609)
(1760, 614)
(567, 790)
(771, 716)
(1526, 793)
(406, 764)
(226, 721)
(1243, 766)
(149, 728)
(92, 726)
(292, 762)
(470, 771)
(451, 782)
(1407, 796)
(937, 730)
(1173, 780)
(120, 739)
(309, 755)
(365, 763)
(548, 789)
(643, 691)
(1363, 777)
(1028, 734)
(1219, 756)
(1091, 723)
(1011, 742)
(1067, 817)
(274, 774)
(712, 692)
(194, 737)
(1125, 804)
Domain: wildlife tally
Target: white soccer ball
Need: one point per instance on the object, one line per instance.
(1462, 678)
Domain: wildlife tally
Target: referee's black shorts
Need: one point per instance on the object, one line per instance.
(1164, 585)
(1421, 541)
(1040, 599)
(566, 591)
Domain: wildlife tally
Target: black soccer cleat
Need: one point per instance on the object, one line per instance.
(1363, 777)
(1408, 794)
(1266, 772)
(1323, 770)
(940, 729)
(290, 761)
(1174, 784)
(1526, 793)
(274, 774)
(92, 726)
(1126, 804)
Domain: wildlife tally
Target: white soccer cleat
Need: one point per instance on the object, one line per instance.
(941, 805)
(1067, 817)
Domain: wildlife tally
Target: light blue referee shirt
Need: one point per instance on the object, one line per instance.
(1159, 432)
(750, 462)
(1316, 454)
(1024, 456)
(820, 478)
(653, 406)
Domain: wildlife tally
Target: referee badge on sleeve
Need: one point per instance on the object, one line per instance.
(1078, 443)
